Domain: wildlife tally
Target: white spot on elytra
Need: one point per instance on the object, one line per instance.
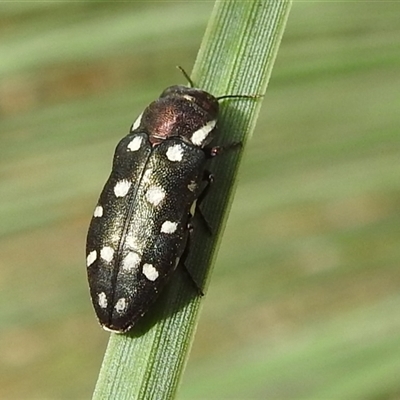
(177, 262)
(120, 306)
(199, 137)
(175, 153)
(102, 300)
(121, 188)
(131, 242)
(107, 253)
(131, 261)
(150, 272)
(146, 175)
(155, 195)
(192, 186)
(135, 143)
(98, 211)
(187, 97)
(136, 124)
(91, 258)
(169, 227)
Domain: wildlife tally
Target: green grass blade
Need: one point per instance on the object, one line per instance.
(236, 57)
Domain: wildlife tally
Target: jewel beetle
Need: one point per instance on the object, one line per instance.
(141, 223)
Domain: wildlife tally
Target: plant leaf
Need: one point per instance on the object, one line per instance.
(236, 57)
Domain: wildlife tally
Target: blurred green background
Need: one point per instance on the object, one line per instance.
(304, 300)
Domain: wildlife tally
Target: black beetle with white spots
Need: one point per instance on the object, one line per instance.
(141, 223)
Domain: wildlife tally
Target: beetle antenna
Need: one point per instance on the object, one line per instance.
(239, 96)
(186, 75)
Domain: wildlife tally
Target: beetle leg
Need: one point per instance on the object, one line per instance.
(208, 177)
(193, 281)
(217, 150)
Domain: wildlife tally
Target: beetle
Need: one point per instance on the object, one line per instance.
(141, 223)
